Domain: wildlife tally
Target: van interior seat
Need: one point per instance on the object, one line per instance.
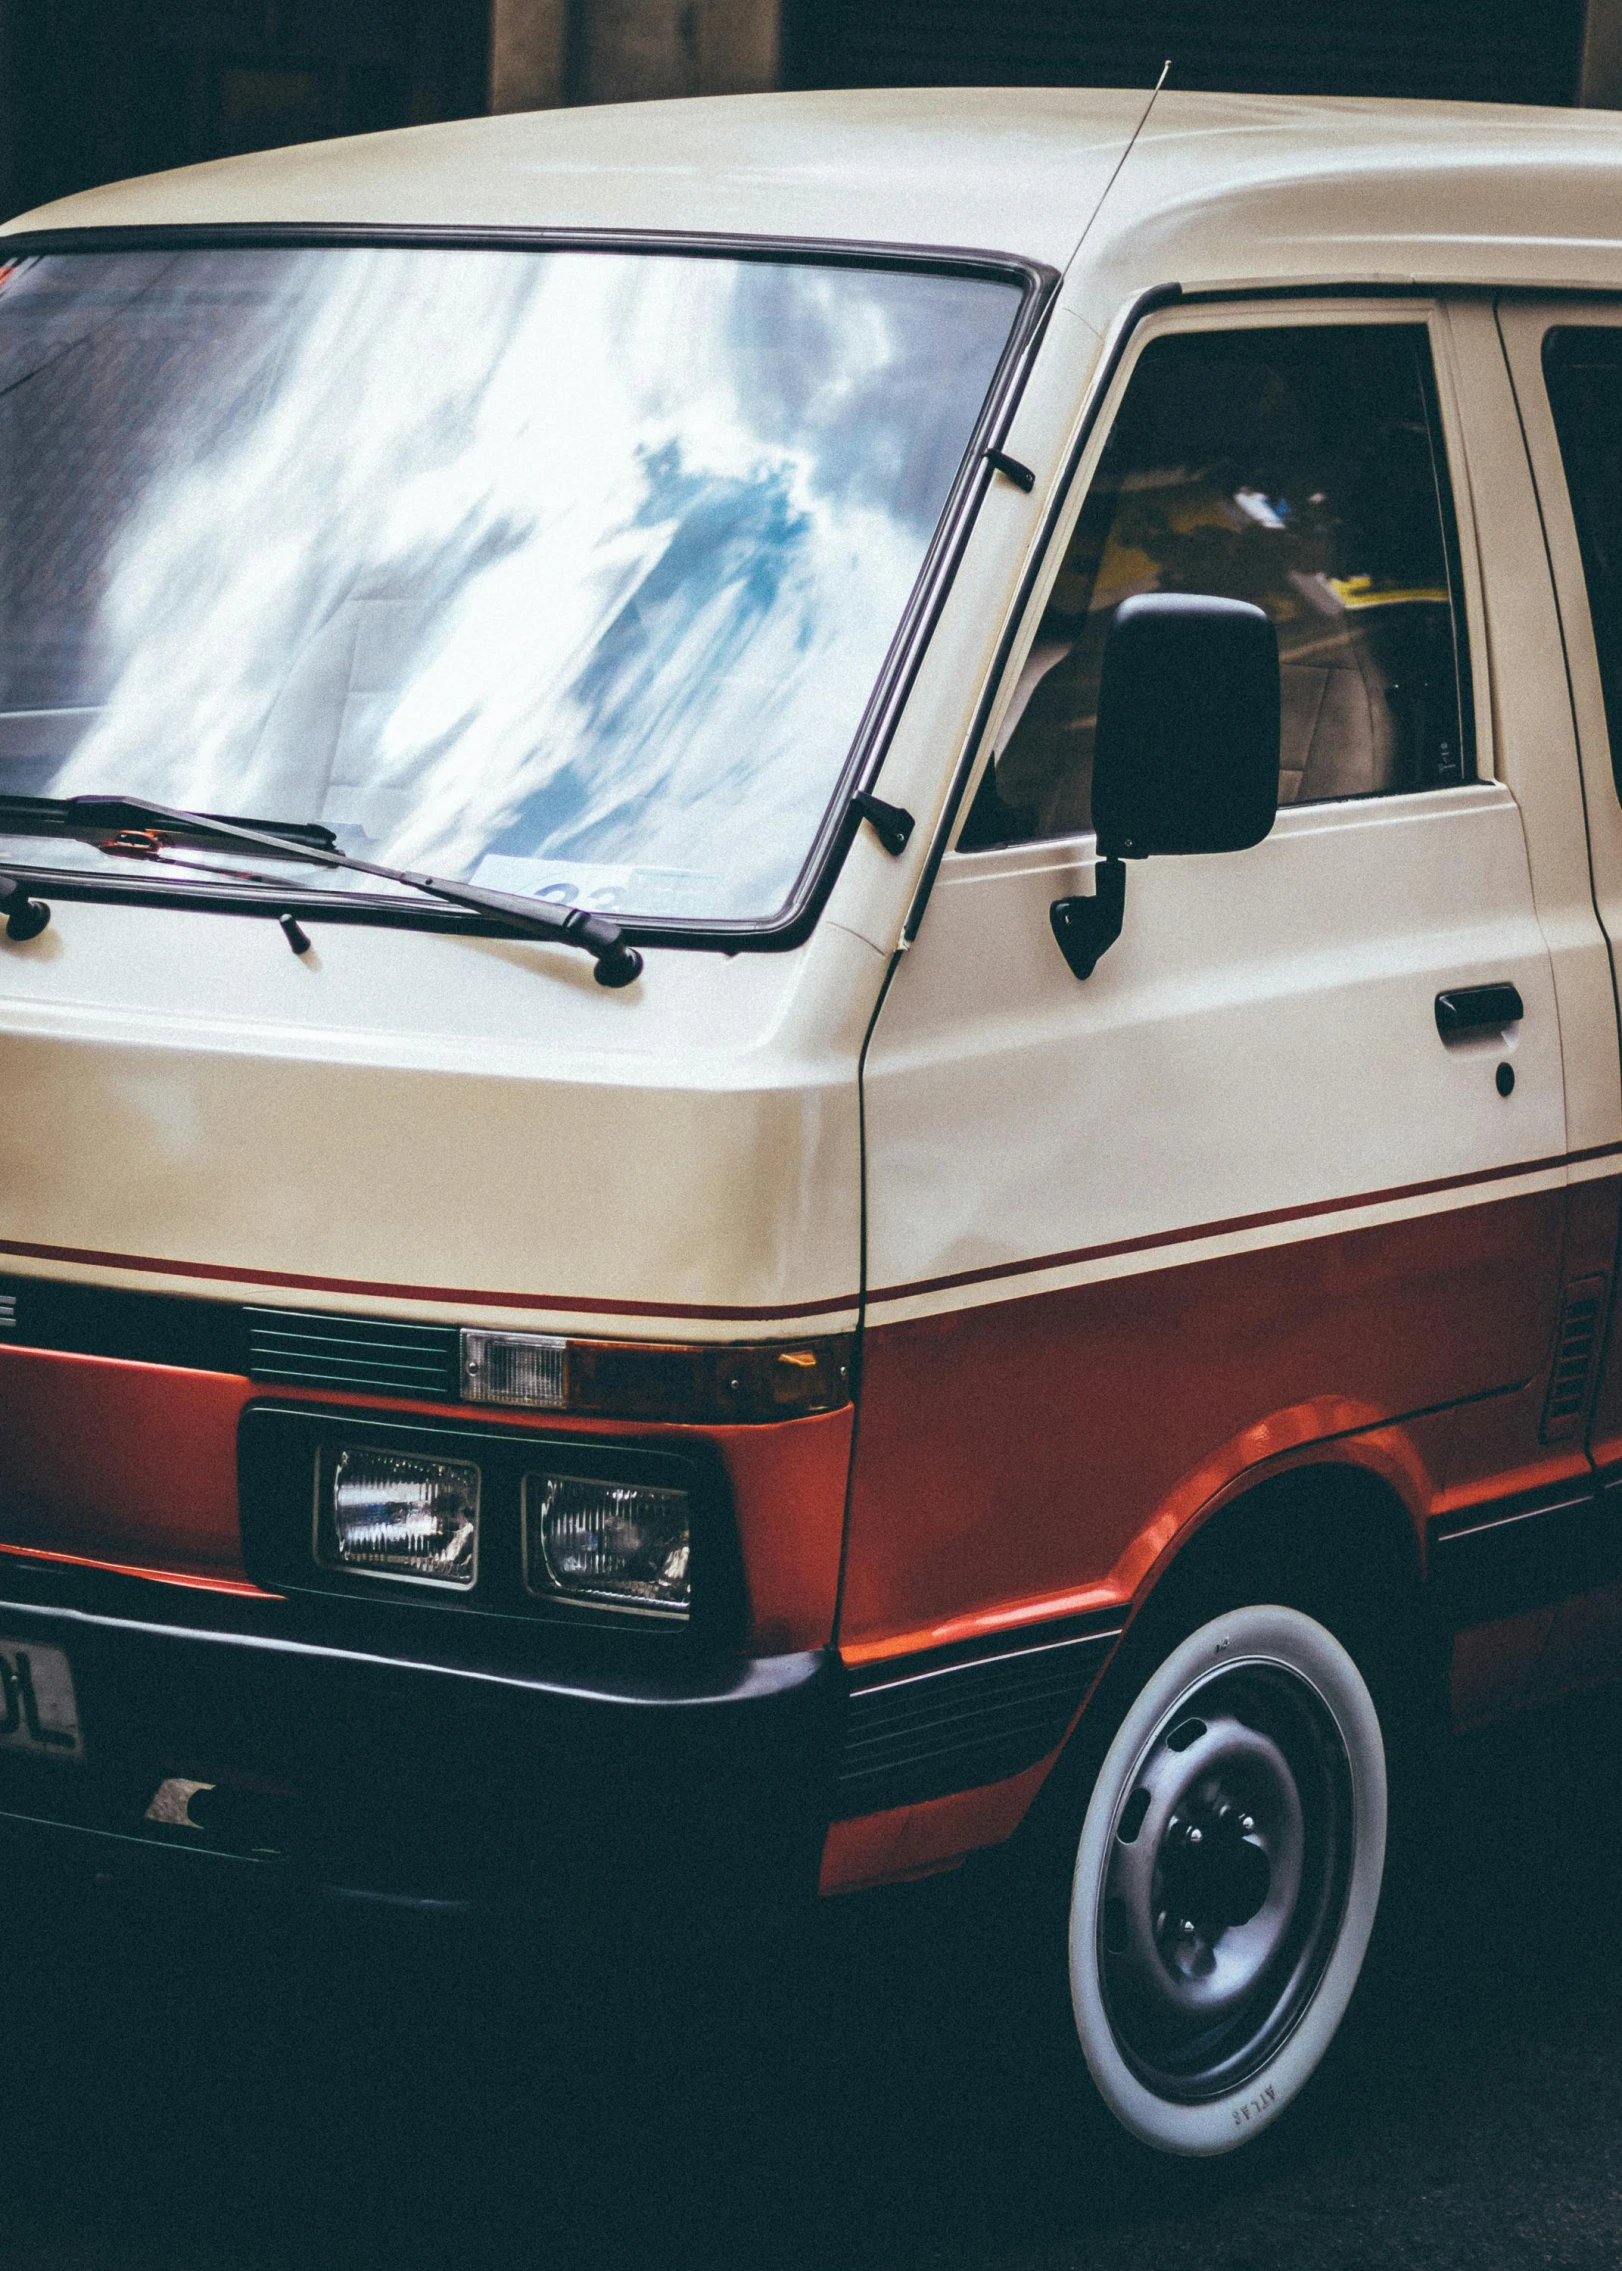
(1334, 734)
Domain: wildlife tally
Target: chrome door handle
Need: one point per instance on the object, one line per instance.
(1476, 1009)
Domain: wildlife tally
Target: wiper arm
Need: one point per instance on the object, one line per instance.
(617, 963)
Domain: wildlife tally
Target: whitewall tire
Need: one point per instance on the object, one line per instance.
(1227, 1879)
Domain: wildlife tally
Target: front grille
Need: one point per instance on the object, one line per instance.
(932, 1727)
(307, 1349)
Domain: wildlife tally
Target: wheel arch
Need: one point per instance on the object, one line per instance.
(1334, 1529)
(1333, 1536)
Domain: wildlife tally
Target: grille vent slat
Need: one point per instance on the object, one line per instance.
(307, 1350)
(8, 1313)
(923, 1731)
(963, 1710)
(1581, 1319)
(1045, 1723)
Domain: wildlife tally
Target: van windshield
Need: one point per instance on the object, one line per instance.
(564, 571)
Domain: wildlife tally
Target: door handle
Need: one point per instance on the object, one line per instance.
(1476, 1009)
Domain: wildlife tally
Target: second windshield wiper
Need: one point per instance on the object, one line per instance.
(618, 964)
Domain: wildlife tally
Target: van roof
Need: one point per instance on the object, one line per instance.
(1218, 188)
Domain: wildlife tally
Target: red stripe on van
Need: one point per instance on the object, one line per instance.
(87, 1257)
(460, 1296)
(1316, 1209)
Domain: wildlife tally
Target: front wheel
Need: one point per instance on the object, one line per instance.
(1227, 1879)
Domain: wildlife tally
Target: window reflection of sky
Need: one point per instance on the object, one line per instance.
(571, 570)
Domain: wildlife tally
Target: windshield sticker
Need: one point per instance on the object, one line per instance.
(601, 890)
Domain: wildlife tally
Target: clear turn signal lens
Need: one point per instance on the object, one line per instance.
(390, 1515)
(621, 1545)
(531, 1369)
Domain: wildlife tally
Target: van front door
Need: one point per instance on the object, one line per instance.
(1237, 1192)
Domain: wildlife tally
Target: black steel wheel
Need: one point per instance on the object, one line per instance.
(1227, 1878)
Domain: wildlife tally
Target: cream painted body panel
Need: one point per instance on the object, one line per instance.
(1218, 190)
(1003, 170)
(1306, 968)
(1523, 325)
(414, 1117)
(1521, 665)
(1236, 190)
(1260, 1042)
(435, 1125)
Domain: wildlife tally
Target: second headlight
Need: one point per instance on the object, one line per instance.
(611, 1544)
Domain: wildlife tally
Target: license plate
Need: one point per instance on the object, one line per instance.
(38, 1711)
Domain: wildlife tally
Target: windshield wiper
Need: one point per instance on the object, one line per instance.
(92, 817)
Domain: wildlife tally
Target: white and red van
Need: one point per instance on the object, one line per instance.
(808, 1050)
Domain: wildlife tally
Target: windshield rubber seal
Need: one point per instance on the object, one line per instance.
(793, 923)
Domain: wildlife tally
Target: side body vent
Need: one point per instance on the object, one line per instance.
(372, 1355)
(923, 1727)
(8, 1315)
(1581, 1319)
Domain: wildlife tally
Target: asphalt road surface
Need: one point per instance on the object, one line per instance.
(186, 2095)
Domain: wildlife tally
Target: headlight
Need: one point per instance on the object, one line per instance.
(624, 1545)
(390, 1515)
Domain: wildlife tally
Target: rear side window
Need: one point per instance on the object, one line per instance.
(1582, 365)
(1302, 469)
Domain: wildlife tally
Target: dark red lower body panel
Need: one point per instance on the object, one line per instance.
(1040, 1454)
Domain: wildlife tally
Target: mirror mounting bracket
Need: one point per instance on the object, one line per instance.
(1086, 929)
(891, 823)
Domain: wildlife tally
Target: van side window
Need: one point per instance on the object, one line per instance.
(1582, 367)
(1299, 468)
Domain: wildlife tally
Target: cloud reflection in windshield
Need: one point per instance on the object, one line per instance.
(582, 564)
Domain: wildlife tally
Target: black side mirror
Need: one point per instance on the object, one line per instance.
(1185, 756)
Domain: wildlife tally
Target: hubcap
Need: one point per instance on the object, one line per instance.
(1225, 1881)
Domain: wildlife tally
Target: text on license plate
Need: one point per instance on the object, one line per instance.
(38, 1711)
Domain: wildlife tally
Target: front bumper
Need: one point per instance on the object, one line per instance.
(414, 1758)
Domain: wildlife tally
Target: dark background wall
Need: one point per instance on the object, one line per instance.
(1466, 50)
(97, 89)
